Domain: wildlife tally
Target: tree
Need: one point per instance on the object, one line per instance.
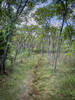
(13, 9)
(43, 17)
(64, 6)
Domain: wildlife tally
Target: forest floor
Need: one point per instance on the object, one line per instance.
(33, 78)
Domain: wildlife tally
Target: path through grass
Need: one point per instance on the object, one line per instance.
(33, 79)
(14, 85)
(50, 85)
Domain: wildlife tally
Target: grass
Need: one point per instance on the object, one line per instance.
(38, 75)
(12, 87)
(50, 85)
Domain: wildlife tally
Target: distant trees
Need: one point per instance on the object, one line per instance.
(43, 35)
(63, 10)
(43, 17)
(8, 6)
(10, 11)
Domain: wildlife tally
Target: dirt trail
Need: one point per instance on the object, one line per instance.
(28, 88)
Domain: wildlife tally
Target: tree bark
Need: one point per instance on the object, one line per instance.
(53, 49)
(48, 52)
(59, 43)
(5, 55)
(42, 47)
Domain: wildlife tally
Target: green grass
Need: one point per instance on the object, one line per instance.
(50, 85)
(45, 85)
(12, 87)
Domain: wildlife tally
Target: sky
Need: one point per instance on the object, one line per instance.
(54, 22)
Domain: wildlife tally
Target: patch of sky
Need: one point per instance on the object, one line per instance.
(31, 21)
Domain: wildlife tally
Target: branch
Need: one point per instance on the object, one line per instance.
(69, 31)
(9, 9)
(18, 13)
(18, 8)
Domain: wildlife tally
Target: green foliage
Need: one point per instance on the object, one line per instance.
(42, 14)
(68, 32)
(30, 5)
(4, 33)
(69, 87)
(46, 84)
(27, 52)
(62, 7)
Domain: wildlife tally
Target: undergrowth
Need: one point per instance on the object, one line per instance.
(50, 85)
(45, 83)
(12, 86)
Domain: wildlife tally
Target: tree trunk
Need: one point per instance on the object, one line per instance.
(70, 36)
(48, 52)
(42, 47)
(59, 44)
(53, 49)
(5, 55)
(0, 67)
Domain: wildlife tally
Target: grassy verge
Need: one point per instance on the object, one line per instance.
(12, 87)
(45, 85)
(50, 85)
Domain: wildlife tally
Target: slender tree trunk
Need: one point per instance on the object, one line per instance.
(31, 44)
(5, 55)
(42, 47)
(48, 45)
(70, 35)
(0, 67)
(59, 44)
(15, 56)
(48, 52)
(53, 49)
(42, 50)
